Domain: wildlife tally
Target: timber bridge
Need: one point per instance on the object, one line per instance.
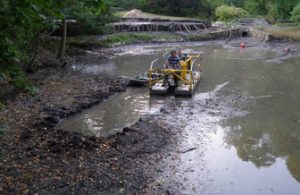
(158, 24)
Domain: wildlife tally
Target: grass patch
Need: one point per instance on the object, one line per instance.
(127, 38)
(285, 33)
(121, 38)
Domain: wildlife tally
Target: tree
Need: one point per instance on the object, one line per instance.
(79, 10)
(229, 13)
(22, 20)
(272, 9)
(62, 48)
(296, 13)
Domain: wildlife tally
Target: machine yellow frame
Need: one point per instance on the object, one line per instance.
(187, 67)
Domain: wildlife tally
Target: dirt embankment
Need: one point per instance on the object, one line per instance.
(36, 158)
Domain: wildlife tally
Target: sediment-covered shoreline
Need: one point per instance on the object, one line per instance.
(37, 158)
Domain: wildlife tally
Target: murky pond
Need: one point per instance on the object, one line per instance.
(243, 122)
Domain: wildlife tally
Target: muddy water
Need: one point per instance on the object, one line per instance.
(240, 133)
(117, 112)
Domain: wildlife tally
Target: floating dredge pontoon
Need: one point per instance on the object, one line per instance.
(181, 82)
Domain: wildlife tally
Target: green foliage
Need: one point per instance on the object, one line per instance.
(91, 16)
(31, 89)
(216, 3)
(128, 38)
(228, 13)
(166, 7)
(19, 23)
(293, 165)
(256, 7)
(17, 77)
(22, 20)
(296, 13)
(131, 38)
(125, 4)
(2, 106)
(273, 10)
(121, 38)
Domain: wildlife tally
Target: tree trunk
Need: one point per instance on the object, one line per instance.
(62, 48)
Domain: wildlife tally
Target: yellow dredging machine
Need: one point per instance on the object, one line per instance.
(181, 81)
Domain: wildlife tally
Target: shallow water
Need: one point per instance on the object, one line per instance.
(111, 116)
(243, 121)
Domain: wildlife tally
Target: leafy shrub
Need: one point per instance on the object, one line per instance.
(228, 13)
(18, 79)
(2, 106)
(296, 13)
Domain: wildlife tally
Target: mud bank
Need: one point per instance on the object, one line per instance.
(57, 98)
(37, 158)
(59, 162)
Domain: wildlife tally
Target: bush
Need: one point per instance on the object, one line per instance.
(17, 79)
(296, 13)
(2, 106)
(228, 13)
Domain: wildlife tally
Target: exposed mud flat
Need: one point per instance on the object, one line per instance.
(193, 120)
(60, 162)
(171, 150)
(227, 127)
(29, 142)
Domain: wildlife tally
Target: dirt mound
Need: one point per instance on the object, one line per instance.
(135, 13)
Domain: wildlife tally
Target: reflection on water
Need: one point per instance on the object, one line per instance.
(243, 147)
(271, 130)
(124, 65)
(232, 176)
(256, 153)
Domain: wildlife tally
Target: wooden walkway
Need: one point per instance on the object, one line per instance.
(147, 25)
